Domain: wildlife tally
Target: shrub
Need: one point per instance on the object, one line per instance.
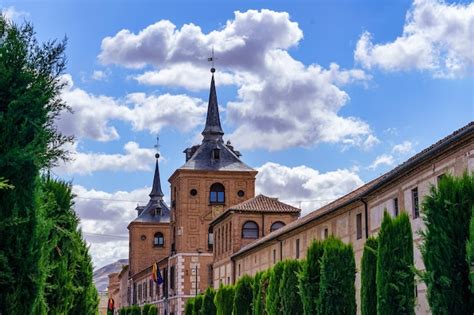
(309, 276)
(198, 304)
(224, 300)
(395, 275)
(208, 306)
(145, 309)
(243, 296)
(290, 298)
(273, 300)
(189, 306)
(337, 290)
(368, 291)
(447, 211)
(153, 310)
(123, 311)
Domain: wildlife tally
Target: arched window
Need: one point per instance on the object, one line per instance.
(217, 193)
(250, 230)
(158, 240)
(276, 225)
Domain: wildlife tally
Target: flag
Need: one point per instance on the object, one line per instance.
(156, 275)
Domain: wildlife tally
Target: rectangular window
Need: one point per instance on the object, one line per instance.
(216, 154)
(274, 256)
(134, 293)
(326, 233)
(395, 206)
(151, 288)
(297, 248)
(239, 269)
(440, 177)
(415, 203)
(140, 292)
(172, 277)
(144, 290)
(359, 225)
(220, 196)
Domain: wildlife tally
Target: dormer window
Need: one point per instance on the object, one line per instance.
(217, 193)
(216, 154)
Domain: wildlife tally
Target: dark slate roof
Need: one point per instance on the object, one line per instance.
(200, 157)
(466, 132)
(260, 203)
(156, 210)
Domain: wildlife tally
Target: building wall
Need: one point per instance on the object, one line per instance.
(142, 252)
(342, 223)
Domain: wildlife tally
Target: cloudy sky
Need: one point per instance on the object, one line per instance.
(319, 96)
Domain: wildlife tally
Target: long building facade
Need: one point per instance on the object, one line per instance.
(215, 229)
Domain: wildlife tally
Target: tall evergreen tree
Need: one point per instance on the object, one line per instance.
(309, 277)
(189, 306)
(208, 306)
(256, 309)
(262, 292)
(470, 252)
(198, 304)
(368, 290)
(273, 299)
(30, 87)
(290, 298)
(224, 300)
(395, 275)
(337, 289)
(243, 296)
(447, 212)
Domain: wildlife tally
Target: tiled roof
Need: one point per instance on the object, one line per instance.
(365, 190)
(260, 203)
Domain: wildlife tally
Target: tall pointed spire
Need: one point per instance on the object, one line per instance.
(213, 129)
(156, 191)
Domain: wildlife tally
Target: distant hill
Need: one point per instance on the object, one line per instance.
(101, 275)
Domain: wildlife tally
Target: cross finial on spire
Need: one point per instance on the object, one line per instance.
(212, 59)
(157, 146)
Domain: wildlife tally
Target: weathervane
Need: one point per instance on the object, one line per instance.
(212, 59)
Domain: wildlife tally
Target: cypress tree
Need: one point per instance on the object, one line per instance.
(145, 309)
(290, 298)
(256, 303)
(135, 310)
(309, 277)
(198, 304)
(189, 306)
(395, 276)
(153, 310)
(337, 289)
(30, 88)
(368, 291)
(224, 300)
(243, 296)
(273, 299)
(470, 252)
(208, 306)
(259, 300)
(447, 212)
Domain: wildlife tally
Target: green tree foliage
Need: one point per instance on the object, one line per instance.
(153, 310)
(259, 307)
(309, 277)
(224, 300)
(447, 212)
(189, 306)
(4, 184)
(30, 87)
(208, 306)
(273, 299)
(145, 309)
(395, 270)
(123, 311)
(257, 297)
(243, 296)
(290, 298)
(198, 300)
(368, 291)
(470, 252)
(135, 310)
(337, 289)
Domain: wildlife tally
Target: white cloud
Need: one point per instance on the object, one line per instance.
(281, 102)
(384, 159)
(99, 75)
(12, 14)
(437, 37)
(403, 148)
(134, 159)
(303, 183)
(107, 214)
(93, 114)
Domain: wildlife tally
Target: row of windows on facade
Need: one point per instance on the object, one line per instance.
(216, 194)
(250, 230)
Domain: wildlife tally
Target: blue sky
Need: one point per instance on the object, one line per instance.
(319, 96)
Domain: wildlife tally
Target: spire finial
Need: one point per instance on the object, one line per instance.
(212, 59)
(157, 146)
(156, 191)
